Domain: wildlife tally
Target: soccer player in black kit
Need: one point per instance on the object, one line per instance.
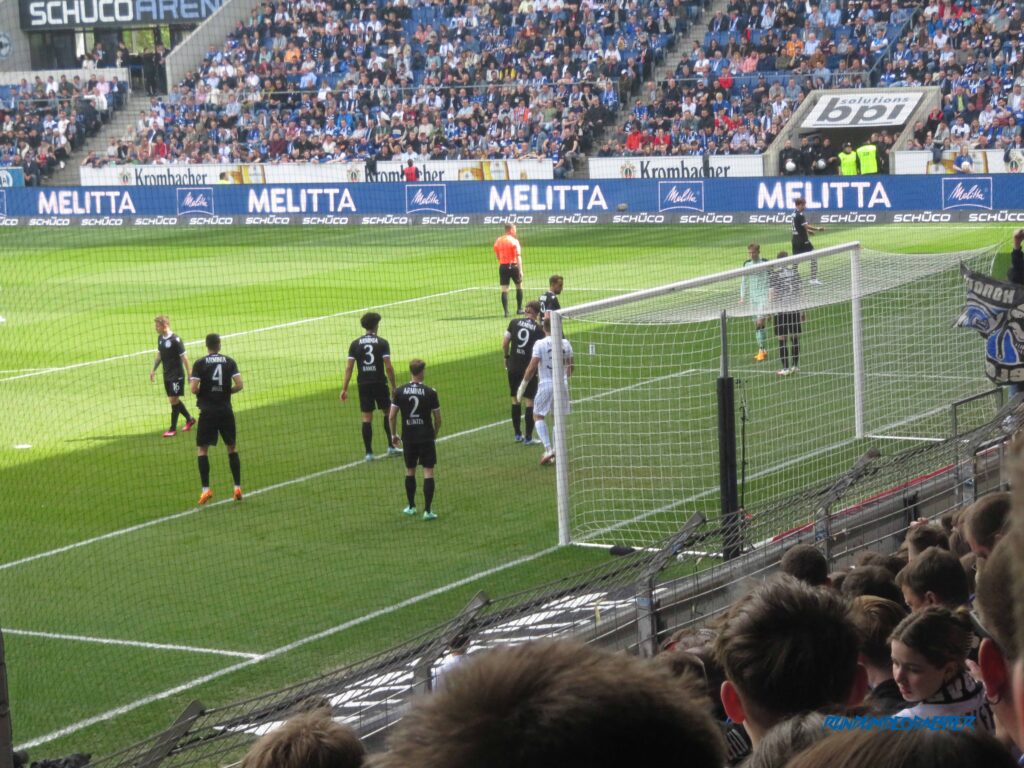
(784, 294)
(517, 345)
(374, 356)
(802, 232)
(215, 378)
(421, 422)
(170, 352)
(549, 299)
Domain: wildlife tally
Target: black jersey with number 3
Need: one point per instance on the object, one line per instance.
(417, 402)
(214, 373)
(171, 348)
(522, 333)
(369, 352)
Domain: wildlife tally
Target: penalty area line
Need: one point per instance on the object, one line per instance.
(236, 334)
(127, 643)
(110, 714)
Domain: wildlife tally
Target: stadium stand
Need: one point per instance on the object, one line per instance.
(44, 120)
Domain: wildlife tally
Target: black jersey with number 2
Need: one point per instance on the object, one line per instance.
(171, 348)
(214, 373)
(523, 333)
(369, 352)
(417, 402)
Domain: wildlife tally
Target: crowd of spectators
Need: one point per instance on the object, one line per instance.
(318, 81)
(928, 634)
(43, 121)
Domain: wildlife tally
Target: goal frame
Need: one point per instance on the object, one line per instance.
(558, 364)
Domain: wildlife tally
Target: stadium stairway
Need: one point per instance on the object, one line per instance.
(121, 124)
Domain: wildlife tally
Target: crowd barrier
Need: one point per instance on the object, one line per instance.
(830, 200)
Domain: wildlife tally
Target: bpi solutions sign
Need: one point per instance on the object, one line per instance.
(66, 14)
(869, 110)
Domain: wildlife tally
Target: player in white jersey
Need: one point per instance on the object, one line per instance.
(542, 365)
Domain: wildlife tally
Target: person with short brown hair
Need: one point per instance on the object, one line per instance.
(905, 749)
(924, 535)
(310, 740)
(555, 703)
(871, 580)
(806, 563)
(876, 618)
(935, 577)
(986, 521)
(787, 648)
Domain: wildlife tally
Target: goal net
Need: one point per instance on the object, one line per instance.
(878, 359)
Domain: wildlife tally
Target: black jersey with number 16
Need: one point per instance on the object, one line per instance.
(417, 402)
(171, 348)
(369, 352)
(214, 373)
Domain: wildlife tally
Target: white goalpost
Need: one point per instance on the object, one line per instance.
(878, 358)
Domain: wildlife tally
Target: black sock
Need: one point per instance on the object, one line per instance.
(204, 471)
(410, 489)
(368, 436)
(529, 422)
(517, 419)
(504, 301)
(184, 411)
(387, 430)
(236, 467)
(783, 354)
(428, 493)
(519, 299)
(174, 417)
(795, 344)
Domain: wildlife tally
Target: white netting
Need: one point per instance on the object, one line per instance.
(642, 438)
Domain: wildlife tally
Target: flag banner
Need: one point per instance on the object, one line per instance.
(995, 309)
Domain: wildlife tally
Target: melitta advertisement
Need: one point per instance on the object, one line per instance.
(66, 14)
(713, 167)
(915, 162)
(308, 173)
(832, 200)
(866, 110)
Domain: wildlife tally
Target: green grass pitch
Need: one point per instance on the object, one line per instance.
(120, 601)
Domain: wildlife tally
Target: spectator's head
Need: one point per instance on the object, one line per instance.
(310, 740)
(871, 580)
(370, 321)
(920, 537)
(876, 618)
(929, 650)
(935, 577)
(986, 521)
(905, 749)
(787, 648)
(892, 563)
(806, 563)
(995, 623)
(786, 739)
(554, 703)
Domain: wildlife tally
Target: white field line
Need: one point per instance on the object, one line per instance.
(129, 643)
(236, 334)
(294, 481)
(110, 714)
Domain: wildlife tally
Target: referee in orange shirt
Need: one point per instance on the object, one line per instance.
(510, 266)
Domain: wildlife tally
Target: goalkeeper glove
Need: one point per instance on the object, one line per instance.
(522, 390)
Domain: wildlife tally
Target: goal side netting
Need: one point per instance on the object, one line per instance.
(878, 359)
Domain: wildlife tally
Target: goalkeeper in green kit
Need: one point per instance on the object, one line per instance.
(754, 288)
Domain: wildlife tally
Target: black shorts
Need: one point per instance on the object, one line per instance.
(175, 387)
(787, 324)
(515, 378)
(804, 247)
(509, 273)
(213, 423)
(423, 454)
(374, 394)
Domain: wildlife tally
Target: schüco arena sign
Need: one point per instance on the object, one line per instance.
(68, 14)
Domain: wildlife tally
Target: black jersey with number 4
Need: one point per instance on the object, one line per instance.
(171, 348)
(214, 373)
(417, 402)
(369, 352)
(548, 301)
(522, 333)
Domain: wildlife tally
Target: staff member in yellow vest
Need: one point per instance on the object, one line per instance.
(847, 161)
(867, 158)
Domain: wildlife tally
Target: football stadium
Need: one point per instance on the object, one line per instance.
(403, 384)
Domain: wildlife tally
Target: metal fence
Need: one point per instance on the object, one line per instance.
(629, 603)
